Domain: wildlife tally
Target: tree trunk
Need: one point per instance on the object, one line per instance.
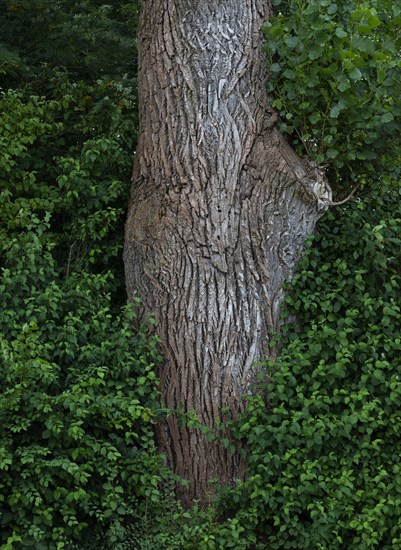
(219, 211)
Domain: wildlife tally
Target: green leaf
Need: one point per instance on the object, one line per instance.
(340, 32)
(387, 117)
(355, 74)
(314, 118)
(335, 111)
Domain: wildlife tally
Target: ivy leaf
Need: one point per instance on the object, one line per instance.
(335, 111)
(356, 74)
(387, 117)
(340, 32)
(332, 153)
(344, 84)
(315, 117)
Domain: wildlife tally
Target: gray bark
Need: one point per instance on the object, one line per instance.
(219, 211)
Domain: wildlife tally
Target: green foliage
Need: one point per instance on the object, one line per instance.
(178, 529)
(26, 129)
(78, 465)
(323, 449)
(70, 156)
(77, 403)
(335, 79)
(78, 398)
(76, 73)
(91, 39)
(10, 61)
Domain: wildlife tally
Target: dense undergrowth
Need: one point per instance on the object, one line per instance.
(324, 454)
(323, 449)
(78, 396)
(78, 400)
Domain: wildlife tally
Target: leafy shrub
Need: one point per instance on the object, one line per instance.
(91, 39)
(178, 529)
(323, 451)
(323, 447)
(335, 79)
(78, 399)
(70, 156)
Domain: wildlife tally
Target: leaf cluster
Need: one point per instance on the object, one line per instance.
(67, 137)
(78, 399)
(91, 39)
(323, 447)
(335, 80)
(77, 403)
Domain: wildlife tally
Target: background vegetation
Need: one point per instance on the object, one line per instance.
(78, 399)
(78, 396)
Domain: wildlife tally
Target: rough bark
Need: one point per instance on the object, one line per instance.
(220, 208)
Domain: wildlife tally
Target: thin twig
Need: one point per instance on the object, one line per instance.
(346, 198)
